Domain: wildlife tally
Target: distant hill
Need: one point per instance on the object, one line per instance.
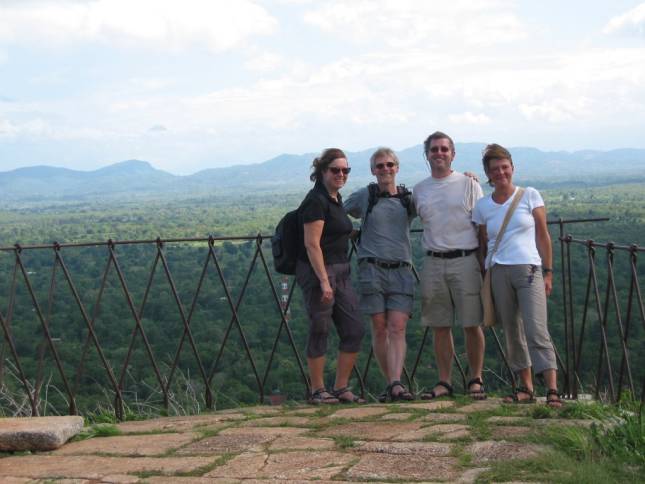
(135, 178)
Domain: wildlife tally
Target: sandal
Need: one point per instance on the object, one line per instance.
(476, 394)
(555, 402)
(382, 398)
(432, 395)
(513, 398)
(404, 394)
(338, 393)
(322, 396)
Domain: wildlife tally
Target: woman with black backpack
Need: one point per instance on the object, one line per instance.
(323, 274)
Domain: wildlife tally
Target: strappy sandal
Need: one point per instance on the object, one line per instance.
(476, 394)
(513, 398)
(338, 393)
(553, 402)
(404, 394)
(322, 397)
(382, 398)
(432, 395)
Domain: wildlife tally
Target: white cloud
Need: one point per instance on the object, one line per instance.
(629, 23)
(162, 24)
(469, 118)
(406, 23)
(264, 62)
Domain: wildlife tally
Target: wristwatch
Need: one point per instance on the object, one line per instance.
(545, 270)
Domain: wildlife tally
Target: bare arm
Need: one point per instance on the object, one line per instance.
(543, 241)
(313, 234)
(482, 234)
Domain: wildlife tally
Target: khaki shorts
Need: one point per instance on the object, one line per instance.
(385, 289)
(450, 292)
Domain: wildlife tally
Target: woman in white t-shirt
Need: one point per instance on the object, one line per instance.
(522, 275)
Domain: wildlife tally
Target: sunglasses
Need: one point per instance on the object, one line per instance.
(335, 170)
(436, 149)
(389, 164)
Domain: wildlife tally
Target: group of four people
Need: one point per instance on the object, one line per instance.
(460, 228)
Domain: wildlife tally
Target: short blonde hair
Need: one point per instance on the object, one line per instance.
(382, 152)
(494, 151)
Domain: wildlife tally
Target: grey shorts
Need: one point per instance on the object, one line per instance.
(450, 292)
(385, 289)
(341, 312)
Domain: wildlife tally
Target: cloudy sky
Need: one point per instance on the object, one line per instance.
(194, 84)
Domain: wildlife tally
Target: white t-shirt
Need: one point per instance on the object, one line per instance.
(445, 206)
(518, 241)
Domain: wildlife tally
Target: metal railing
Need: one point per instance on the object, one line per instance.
(573, 369)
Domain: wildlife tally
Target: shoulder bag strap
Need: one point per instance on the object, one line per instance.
(507, 218)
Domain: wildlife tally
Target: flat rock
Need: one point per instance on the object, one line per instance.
(358, 412)
(260, 410)
(277, 421)
(563, 422)
(429, 449)
(230, 480)
(417, 467)
(371, 431)
(284, 465)
(444, 417)
(503, 420)
(434, 405)
(471, 475)
(37, 433)
(130, 445)
(396, 416)
(302, 411)
(301, 443)
(444, 431)
(94, 467)
(241, 439)
(491, 450)
(510, 431)
(479, 406)
(178, 424)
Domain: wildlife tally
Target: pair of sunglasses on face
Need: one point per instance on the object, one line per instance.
(380, 166)
(436, 149)
(336, 170)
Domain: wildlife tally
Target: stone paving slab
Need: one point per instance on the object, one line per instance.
(370, 431)
(417, 467)
(433, 405)
(480, 406)
(297, 442)
(178, 424)
(37, 433)
(511, 420)
(396, 416)
(131, 445)
(491, 450)
(444, 417)
(358, 412)
(428, 449)
(563, 422)
(229, 480)
(277, 421)
(510, 432)
(444, 431)
(308, 410)
(238, 439)
(287, 465)
(94, 467)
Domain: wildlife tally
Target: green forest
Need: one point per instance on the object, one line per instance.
(232, 377)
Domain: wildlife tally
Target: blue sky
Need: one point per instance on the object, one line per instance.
(196, 84)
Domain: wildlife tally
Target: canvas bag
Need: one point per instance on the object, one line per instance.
(488, 303)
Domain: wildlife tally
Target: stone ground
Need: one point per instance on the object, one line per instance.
(446, 440)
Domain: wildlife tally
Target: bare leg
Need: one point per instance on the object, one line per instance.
(316, 372)
(527, 382)
(444, 350)
(475, 352)
(344, 369)
(380, 343)
(396, 324)
(551, 382)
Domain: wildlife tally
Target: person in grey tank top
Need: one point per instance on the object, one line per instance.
(384, 262)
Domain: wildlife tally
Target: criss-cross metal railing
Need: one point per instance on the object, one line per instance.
(574, 366)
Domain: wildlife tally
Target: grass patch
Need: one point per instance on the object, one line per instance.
(344, 442)
(97, 430)
(200, 471)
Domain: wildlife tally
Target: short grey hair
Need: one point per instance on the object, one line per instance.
(382, 152)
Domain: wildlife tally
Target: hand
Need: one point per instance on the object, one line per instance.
(548, 283)
(327, 292)
(472, 175)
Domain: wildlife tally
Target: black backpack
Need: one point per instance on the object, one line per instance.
(285, 243)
